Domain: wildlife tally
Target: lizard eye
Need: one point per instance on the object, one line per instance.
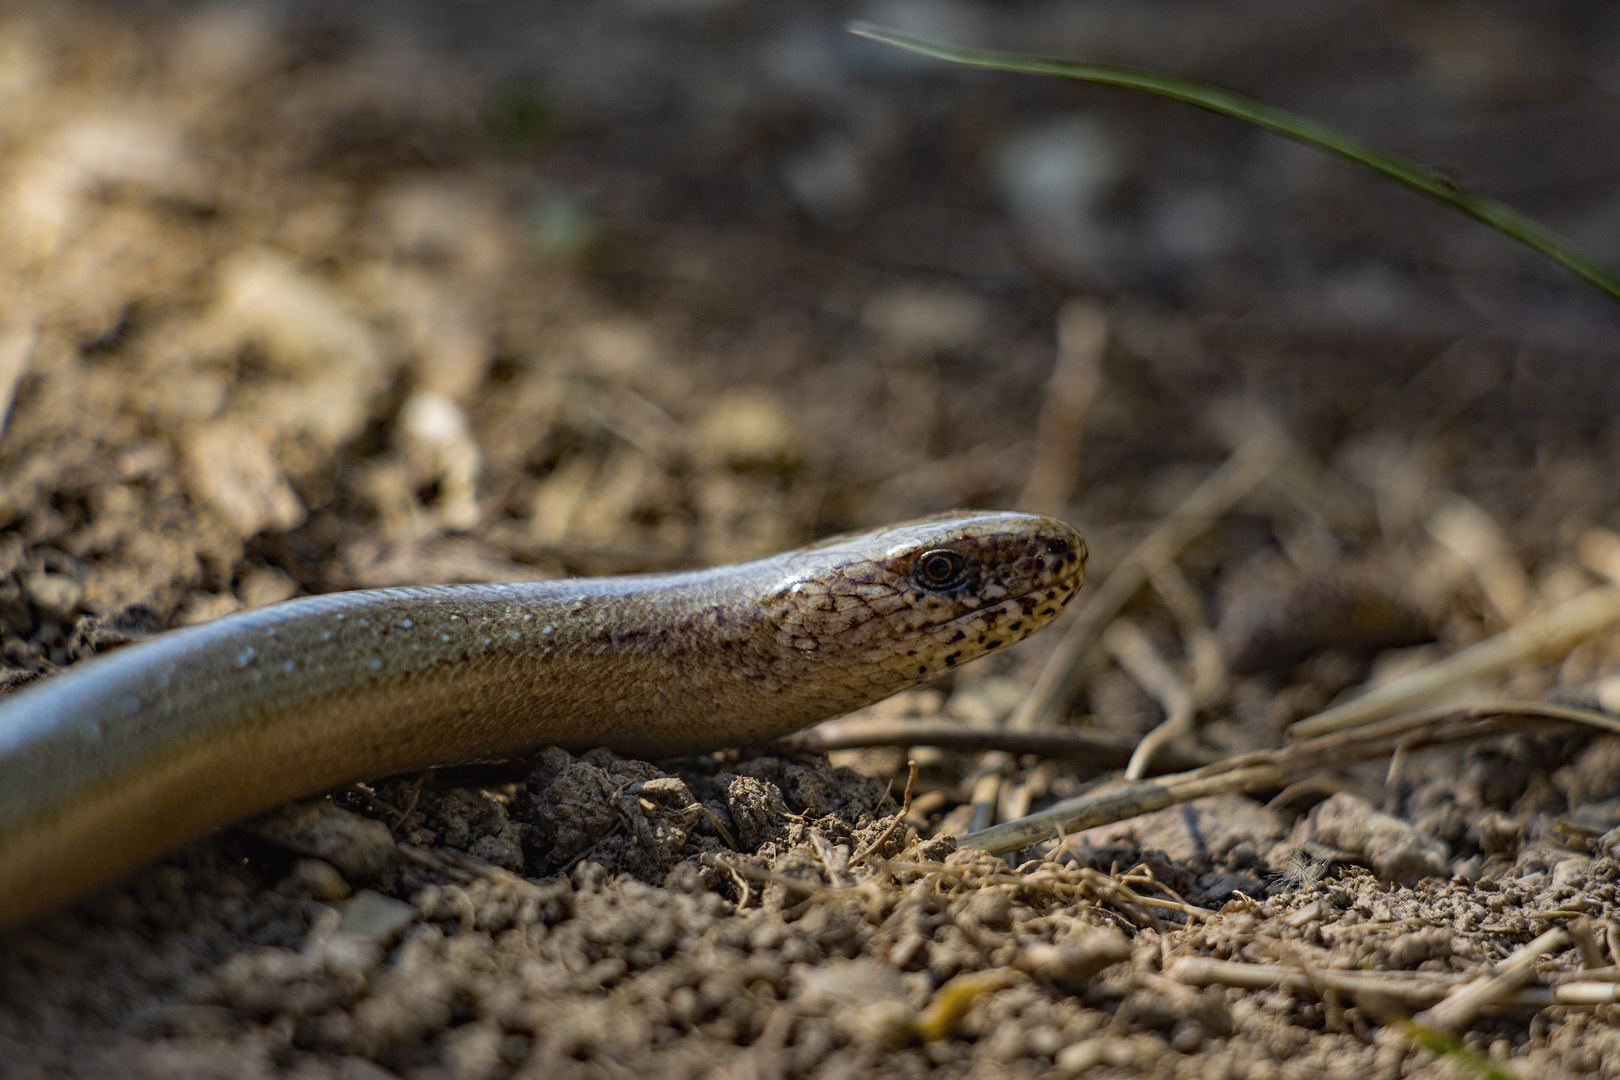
(939, 569)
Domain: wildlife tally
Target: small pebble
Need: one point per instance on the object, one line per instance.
(1075, 961)
(318, 879)
(357, 846)
(1569, 871)
(371, 916)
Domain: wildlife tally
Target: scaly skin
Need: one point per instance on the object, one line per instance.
(110, 764)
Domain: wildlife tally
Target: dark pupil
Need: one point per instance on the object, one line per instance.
(938, 568)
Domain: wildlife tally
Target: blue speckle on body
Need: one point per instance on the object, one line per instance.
(246, 655)
(406, 623)
(375, 664)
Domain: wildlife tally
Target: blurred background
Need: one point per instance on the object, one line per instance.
(297, 297)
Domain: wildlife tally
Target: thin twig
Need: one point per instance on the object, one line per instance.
(814, 889)
(987, 791)
(895, 820)
(410, 806)
(1136, 654)
(1136, 908)
(1582, 931)
(1468, 532)
(1275, 768)
(1412, 989)
(1087, 883)
(744, 889)
(1599, 551)
(827, 857)
(1462, 1005)
(1130, 801)
(1082, 333)
(1097, 749)
(1141, 874)
(1210, 676)
(719, 827)
(464, 868)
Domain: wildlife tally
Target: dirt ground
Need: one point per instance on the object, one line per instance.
(299, 299)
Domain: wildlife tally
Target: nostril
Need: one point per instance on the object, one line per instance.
(1057, 547)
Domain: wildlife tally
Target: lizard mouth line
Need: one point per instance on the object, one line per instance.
(1008, 605)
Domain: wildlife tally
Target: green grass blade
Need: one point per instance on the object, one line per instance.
(1442, 1045)
(1289, 125)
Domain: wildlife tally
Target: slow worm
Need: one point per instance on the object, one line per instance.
(108, 765)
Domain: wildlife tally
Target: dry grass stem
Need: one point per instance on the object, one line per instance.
(465, 868)
(1599, 551)
(1131, 801)
(1141, 875)
(811, 889)
(1408, 989)
(1136, 654)
(17, 340)
(1048, 882)
(1554, 631)
(1082, 333)
(894, 821)
(1583, 932)
(1247, 467)
(1460, 1007)
(1099, 749)
(986, 795)
(1052, 882)
(1016, 796)
(1469, 533)
(1210, 677)
(1276, 768)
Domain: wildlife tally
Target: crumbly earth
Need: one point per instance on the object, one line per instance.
(295, 299)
